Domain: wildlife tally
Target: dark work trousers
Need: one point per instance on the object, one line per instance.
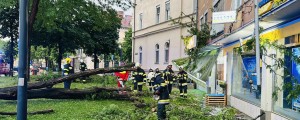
(140, 86)
(67, 84)
(170, 87)
(135, 85)
(161, 111)
(151, 85)
(183, 91)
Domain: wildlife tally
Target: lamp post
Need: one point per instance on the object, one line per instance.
(23, 63)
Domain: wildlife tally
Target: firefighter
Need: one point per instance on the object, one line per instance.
(182, 82)
(155, 83)
(82, 68)
(139, 76)
(163, 99)
(150, 79)
(168, 75)
(68, 69)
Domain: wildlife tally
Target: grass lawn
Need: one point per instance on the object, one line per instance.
(179, 109)
(8, 81)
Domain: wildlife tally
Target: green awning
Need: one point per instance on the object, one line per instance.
(202, 64)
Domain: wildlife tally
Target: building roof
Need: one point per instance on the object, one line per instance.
(126, 19)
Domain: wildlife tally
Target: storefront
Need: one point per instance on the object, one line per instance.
(250, 95)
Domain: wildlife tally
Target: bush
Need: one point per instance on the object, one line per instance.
(105, 80)
(45, 77)
(114, 112)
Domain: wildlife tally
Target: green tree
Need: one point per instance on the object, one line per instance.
(9, 28)
(102, 26)
(127, 47)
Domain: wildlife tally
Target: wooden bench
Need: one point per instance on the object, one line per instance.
(216, 99)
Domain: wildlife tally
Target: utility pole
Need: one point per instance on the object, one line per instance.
(257, 52)
(257, 48)
(23, 63)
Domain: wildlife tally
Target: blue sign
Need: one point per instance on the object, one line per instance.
(296, 74)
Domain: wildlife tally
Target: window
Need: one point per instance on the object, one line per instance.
(141, 20)
(201, 21)
(195, 4)
(236, 4)
(157, 13)
(244, 84)
(205, 17)
(218, 29)
(167, 46)
(141, 55)
(156, 54)
(168, 10)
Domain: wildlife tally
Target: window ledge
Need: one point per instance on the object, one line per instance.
(165, 63)
(156, 63)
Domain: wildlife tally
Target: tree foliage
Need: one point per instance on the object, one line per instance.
(9, 23)
(127, 47)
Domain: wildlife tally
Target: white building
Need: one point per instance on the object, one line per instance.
(156, 40)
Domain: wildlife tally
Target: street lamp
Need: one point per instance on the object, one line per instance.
(23, 61)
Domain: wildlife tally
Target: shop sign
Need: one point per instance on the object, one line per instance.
(190, 42)
(223, 17)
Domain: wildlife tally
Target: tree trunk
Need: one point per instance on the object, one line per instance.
(60, 52)
(43, 84)
(11, 57)
(61, 93)
(96, 61)
(33, 13)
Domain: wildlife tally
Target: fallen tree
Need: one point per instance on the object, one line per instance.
(40, 90)
(43, 84)
(30, 113)
(60, 93)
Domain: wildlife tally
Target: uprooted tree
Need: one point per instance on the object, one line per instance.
(40, 90)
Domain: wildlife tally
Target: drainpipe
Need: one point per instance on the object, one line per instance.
(197, 16)
(133, 32)
(180, 34)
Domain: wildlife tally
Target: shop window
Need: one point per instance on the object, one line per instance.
(290, 108)
(244, 83)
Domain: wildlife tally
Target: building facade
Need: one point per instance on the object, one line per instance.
(280, 24)
(156, 39)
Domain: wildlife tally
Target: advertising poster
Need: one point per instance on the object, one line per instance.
(250, 63)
